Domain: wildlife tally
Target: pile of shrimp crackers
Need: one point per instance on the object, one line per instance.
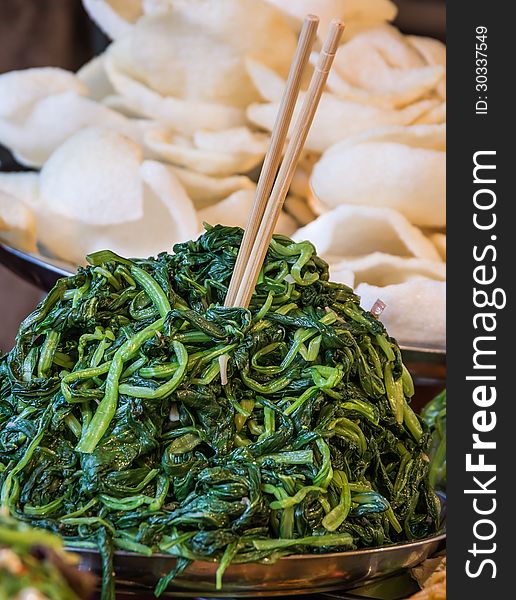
(168, 128)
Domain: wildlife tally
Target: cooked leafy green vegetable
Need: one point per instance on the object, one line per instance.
(434, 415)
(116, 432)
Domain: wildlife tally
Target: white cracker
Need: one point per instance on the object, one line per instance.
(205, 190)
(20, 90)
(381, 269)
(415, 312)
(196, 51)
(183, 116)
(94, 178)
(184, 152)
(401, 168)
(53, 119)
(352, 12)
(352, 231)
(167, 217)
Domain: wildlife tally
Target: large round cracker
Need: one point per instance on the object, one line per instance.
(53, 119)
(184, 116)
(430, 137)
(209, 153)
(409, 177)
(415, 85)
(352, 231)
(381, 269)
(415, 312)
(167, 217)
(382, 66)
(205, 190)
(94, 178)
(20, 90)
(196, 52)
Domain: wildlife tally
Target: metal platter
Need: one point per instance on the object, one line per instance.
(38, 270)
(297, 574)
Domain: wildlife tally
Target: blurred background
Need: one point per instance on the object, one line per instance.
(59, 33)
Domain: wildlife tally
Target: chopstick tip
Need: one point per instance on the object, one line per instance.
(312, 18)
(338, 24)
(332, 41)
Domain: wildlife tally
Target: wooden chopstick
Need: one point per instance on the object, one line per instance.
(274, 152)
(266, 210)
(288, 166)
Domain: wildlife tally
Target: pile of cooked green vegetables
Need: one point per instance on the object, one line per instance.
(116, 432)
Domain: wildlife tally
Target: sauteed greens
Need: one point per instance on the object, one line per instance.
(115, 430)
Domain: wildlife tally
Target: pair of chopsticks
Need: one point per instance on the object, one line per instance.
(275, 179)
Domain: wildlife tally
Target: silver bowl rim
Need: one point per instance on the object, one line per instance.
(436, 538)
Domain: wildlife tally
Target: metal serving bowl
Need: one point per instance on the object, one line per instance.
(35, 269)
(296, 574)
